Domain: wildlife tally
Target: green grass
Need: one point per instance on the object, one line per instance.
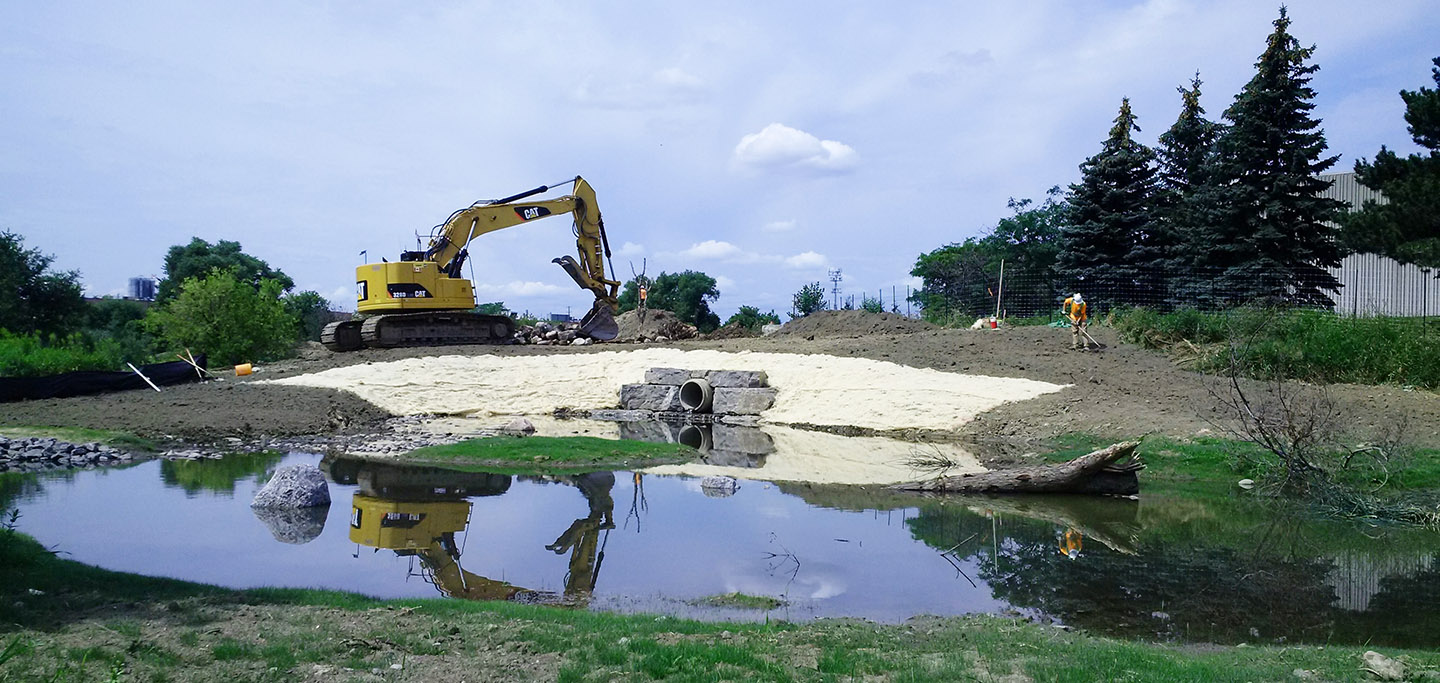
(1310, 345)
(121, 440)
(520, 455)
(741, 601)
(279, 635)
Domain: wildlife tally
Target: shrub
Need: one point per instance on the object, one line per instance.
(229, 320)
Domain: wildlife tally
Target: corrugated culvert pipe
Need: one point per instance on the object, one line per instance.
(696, 395)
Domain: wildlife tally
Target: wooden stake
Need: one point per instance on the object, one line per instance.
(142, 376)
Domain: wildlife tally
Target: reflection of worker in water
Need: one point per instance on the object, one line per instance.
(584, 534)
(1070, 543)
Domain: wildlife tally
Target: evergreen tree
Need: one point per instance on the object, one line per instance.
(1111, 215)
(1407, 228)
(1269, 232)
(1182, 154)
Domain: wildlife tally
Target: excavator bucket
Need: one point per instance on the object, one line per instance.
(600, 323)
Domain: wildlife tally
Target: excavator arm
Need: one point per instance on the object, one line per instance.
(448, 245)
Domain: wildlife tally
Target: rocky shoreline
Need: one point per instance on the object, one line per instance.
(37, 454)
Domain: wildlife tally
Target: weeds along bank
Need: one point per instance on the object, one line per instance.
(1294, 344)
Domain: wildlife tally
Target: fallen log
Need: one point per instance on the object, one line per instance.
(1098, 472)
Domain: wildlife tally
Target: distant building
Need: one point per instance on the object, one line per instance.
(561, 318)
(141, 289)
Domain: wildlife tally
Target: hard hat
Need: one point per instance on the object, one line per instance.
(1078, 299)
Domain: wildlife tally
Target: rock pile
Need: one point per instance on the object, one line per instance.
(659, 325)
(34, 454)
(552, 334)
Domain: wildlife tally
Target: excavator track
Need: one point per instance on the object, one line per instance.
(437, 328)
(342, 336)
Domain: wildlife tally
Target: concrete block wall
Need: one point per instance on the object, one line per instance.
(736, 392)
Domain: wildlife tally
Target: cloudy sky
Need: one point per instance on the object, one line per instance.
(761, 143)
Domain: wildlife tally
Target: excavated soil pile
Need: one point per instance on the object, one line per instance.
(658, 323)
(853, 324)
(732, 331)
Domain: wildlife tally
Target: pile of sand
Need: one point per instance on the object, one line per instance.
(853, 324)
(811, 389)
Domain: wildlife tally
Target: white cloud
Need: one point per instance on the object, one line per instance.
(779, 226)
(630, 249)
(518, 288)
(667, 87)
(808, 259)
(782, 147)
(716, 250)
(723, 283)
(341, 298)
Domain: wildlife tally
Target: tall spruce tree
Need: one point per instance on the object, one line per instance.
(1269, 232)
(1407, 227)
(1183, 155)
(1111, 214)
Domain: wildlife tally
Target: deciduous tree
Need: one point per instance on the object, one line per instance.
(687, 294)
(752, 318)
(198, 258)
(226, 318)
(809, 299)
(34, 298)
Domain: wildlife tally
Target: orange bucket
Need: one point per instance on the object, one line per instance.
(243, 369)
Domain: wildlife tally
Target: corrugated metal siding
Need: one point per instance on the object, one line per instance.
(1356, 578)
(1372, 284)
(1344, 187)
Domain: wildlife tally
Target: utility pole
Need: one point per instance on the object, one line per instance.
(835, 278)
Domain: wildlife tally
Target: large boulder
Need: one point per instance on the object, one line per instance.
(295, 486)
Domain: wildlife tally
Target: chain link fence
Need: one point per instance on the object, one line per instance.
(1369, 286)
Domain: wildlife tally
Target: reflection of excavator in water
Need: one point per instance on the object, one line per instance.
(416, 511)
(423, 299)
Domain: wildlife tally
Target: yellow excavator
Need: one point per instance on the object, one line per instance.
(423, 300)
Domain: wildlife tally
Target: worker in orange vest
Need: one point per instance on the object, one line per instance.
(1077, 310)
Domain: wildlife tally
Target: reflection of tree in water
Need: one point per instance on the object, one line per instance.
(1215, 589)
(219, 476)
(17, 485)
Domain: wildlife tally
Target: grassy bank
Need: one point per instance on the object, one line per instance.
(545, 454)
(1308, 345)
(61, 620)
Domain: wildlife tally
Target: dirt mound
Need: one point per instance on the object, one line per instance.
(658, 323)
(732, 331)
(853, 324)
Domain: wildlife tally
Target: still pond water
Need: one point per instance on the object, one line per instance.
(1165, 568)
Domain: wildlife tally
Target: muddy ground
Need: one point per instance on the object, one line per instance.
(1121, 391)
